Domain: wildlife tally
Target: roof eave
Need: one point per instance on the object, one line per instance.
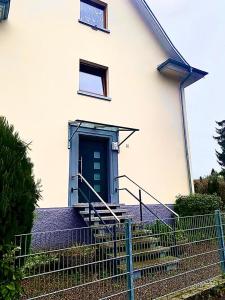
(159, 32)
(172, 52)
(187, 74)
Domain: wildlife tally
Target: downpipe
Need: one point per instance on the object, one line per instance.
(185, 131)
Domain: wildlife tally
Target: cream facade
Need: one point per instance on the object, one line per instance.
(41, 45)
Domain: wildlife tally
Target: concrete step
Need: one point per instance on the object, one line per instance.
(107, 218)
(104, 211)
(138, 244)
(147, 254)
(168, 263)
(121, 235)
(96, 205)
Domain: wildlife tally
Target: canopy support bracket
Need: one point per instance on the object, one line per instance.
(124, 140)
(72, 135)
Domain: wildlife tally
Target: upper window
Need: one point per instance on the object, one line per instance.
(93, 12)
(93, 79)
(4, 9)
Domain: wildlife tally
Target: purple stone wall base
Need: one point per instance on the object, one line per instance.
(59, 227)
(157, 209)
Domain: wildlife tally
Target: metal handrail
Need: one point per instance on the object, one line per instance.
(145, 206)
(125, 176)
(97, 195)
(94, 209)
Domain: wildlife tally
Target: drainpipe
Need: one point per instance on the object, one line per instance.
(185, 131)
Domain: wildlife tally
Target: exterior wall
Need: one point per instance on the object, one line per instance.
(63, 218)
(60, 218)
(40, 47)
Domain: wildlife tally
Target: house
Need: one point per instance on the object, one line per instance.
(98, 88)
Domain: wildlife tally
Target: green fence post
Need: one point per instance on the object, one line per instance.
(220, 236)
(129, 260)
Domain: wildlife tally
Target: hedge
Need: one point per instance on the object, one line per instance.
(197, 204)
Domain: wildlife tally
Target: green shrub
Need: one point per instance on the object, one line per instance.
(197, 204)
(44, 262)
(168, 235)
(212, 184)
(19, 192)
(10, 276)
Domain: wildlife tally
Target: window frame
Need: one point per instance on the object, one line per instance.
(99, 70)
(96, 4)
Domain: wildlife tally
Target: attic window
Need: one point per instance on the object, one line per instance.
(93, 13)
(4, 9)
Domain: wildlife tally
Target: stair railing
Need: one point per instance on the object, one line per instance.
(141, 202)
(90, 208)
(98, 196)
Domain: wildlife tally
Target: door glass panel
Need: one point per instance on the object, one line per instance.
(97, 176)
(97, 165)
(97, 188)
(97, 154)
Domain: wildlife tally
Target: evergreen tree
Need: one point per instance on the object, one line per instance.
(221, 141)
(19, 192)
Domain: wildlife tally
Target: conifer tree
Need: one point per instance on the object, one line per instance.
(221, 141)
(19, 192)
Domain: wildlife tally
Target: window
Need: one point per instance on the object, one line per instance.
(93, 12)
(93, 79)
(4, 9)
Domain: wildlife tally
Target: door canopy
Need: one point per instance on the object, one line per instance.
(107, 127)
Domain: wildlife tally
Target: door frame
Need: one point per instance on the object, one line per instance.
(112, 137)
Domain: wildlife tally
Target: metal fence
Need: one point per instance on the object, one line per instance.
(122, 261)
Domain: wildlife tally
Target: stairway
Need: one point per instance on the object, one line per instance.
(149, 254)
(103, 212)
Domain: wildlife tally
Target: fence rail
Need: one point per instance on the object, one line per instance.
(122, 261)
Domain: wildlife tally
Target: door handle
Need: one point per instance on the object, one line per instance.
(81, 167)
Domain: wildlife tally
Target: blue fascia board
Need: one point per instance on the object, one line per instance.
(158, 30)
(195, 74)
(174, 55)
(201, 72)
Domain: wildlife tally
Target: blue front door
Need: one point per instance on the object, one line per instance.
(93, 165)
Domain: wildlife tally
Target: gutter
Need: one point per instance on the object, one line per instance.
(179, 62)
(185, 131)
(189, 76)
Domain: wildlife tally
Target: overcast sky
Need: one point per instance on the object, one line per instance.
(197, 28)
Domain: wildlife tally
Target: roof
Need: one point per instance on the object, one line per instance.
(185, 73)
(174, 56)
